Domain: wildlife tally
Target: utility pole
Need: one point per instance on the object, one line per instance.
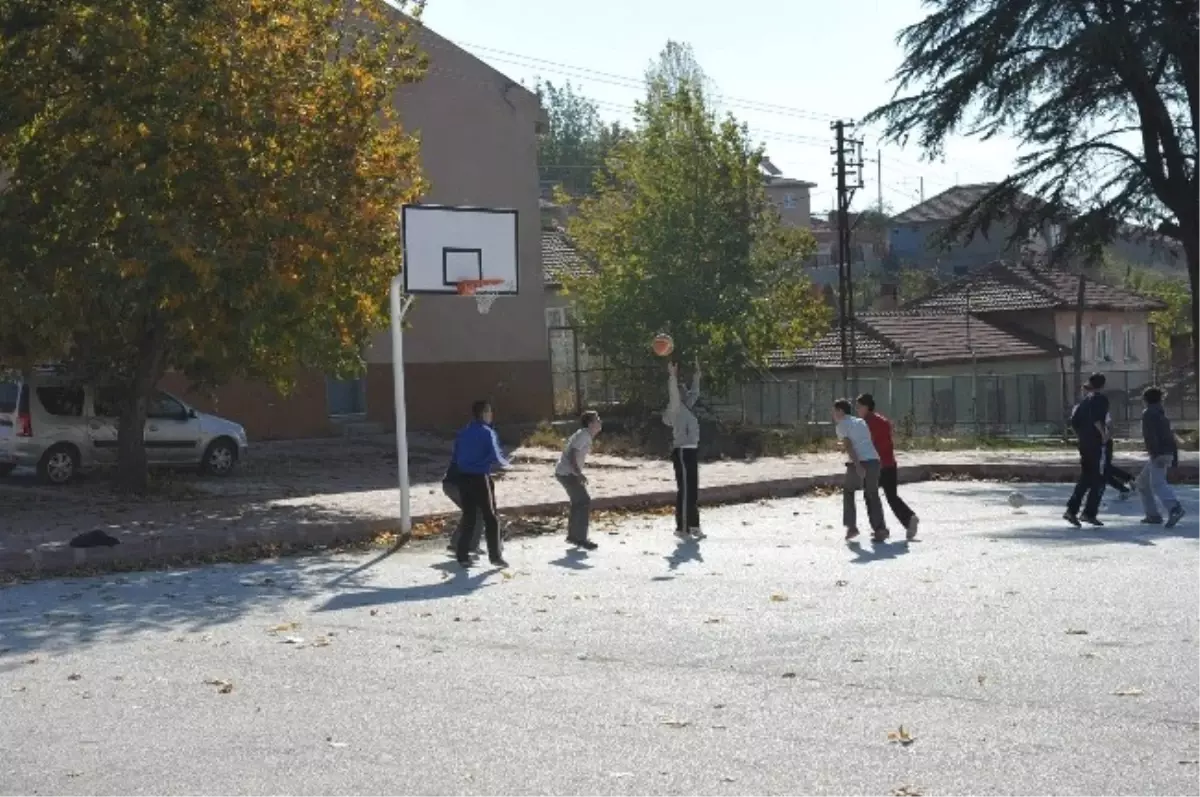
(922, 189)
(848, 171)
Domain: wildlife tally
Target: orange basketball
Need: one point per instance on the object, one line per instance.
(663, 345)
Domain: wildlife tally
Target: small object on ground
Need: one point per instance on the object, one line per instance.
(74, 677)
(1176, 515)
(906, 791)
(1133, 692)
(223, 687)
(788, 675)
(1016, 499)
(911, 528)
(674, 723)
(841, 583)
(1072, 519)
(663, 345)
(778, 597)
(901, 736)
(97, 538)
(1076, 632)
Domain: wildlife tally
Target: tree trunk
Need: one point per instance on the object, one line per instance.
(132, 472)
(1191, 248)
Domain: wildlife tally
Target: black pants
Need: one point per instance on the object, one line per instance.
(476, 492)
(888, 483)
(687, 515)
(1090, 484)
(1114, 476)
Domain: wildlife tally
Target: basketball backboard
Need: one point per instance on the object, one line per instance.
(445, 244)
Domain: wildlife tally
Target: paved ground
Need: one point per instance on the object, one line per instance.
(1019, 656)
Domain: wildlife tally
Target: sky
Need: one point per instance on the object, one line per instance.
(785, 69)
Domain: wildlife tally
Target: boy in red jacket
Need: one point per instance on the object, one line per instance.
(881, 436)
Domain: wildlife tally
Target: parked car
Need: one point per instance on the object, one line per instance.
(62, 427)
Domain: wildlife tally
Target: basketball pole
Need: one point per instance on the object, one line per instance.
(399, 307)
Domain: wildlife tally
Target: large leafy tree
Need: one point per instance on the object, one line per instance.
(576, 142)
(1103, 94)
(210, 187)
(685, 241)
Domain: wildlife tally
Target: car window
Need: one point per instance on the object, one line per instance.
(106, 402)
(163, 406)
(8, 396)
(62, 400)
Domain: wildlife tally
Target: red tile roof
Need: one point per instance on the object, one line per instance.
(1010, 286)
(921, 337)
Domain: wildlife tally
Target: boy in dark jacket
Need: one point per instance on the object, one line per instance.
(452, 491)
(476, 454)
(1164, 453)
(1090, 422)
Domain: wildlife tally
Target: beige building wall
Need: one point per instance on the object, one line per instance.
(791, 198)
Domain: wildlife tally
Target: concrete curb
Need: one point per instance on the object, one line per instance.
(168, 550)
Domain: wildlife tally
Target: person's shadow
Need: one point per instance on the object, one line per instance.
(686, 551)
(877, 552)
(574, 559)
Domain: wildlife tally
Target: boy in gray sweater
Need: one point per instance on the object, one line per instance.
(1164, 453)
(685, 440)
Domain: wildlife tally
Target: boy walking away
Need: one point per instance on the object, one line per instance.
(881, 438)
(1164, 453)
(861, 471)
(476, 455)
(685, 440)
(1089, 419)
(453, 491)
(569, 473)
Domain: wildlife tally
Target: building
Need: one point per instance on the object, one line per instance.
(791, 197)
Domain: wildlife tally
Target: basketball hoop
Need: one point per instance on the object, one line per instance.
(485, 292)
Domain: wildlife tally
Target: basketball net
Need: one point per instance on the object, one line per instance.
(486, 292)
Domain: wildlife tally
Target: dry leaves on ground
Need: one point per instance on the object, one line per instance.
(778, 597)
(223, 687)
(674, 723)
(901, 736)
(907, 791)
(283, 627)
(1131, 692)
(1076, 632)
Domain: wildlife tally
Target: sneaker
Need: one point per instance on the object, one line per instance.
(499, 563)
(1091, 520)
(851, 533)
(1175, 516)
(880, 535)
(1073, 519)
(586, 545)
(1151, 520)
(696, 533)
(911, 528)
(683, 535)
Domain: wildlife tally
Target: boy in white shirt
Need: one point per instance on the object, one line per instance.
(861, 471)
(569, 473)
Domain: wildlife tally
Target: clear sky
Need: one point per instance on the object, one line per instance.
(787, 69)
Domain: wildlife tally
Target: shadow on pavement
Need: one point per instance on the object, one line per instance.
(686, 551)
(459, 582)
(878, 551)
(573, 559)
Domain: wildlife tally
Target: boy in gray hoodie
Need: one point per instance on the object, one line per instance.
(1164, 453)
(685, 440)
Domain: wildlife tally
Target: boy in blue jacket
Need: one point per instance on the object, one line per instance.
(476, 455)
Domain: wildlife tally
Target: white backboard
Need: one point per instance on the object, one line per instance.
(444, 244)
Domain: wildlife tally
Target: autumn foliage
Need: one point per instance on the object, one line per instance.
(210, 187)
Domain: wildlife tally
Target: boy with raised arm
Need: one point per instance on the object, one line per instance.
(569, 473)
(685, 441)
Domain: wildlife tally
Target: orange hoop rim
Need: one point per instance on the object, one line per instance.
(471, 287)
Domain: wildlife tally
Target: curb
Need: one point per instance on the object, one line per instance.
(168, 550)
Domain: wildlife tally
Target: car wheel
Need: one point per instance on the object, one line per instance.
(219, 458)
(6, 469)
(59, 465)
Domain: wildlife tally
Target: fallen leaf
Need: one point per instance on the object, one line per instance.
(1077, 632)
(507, 574)
(620, 774)
(840, 583)
(857, 660)
(321, 642)
(901, 736)
(712, 620)
(1128, 692)
(1090, 655)
(279, 629)
(673, 723)
(981, 679)
(718, 727)
(906, 791)
(728, 779)
(74, 677)
(223, 687)
(374, 612)
(788, 675)
(778, 597)
(338, 744)
(293, 640)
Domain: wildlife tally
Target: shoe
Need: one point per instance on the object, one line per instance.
(683, 535)
(696, 533)
(1151, 520)
(586, 545)
(1073, 519)
(911, 528)
(851, 533)
(464, 563)
(499, 563)
(880, 536)
(1174, 517)
(1091, 520)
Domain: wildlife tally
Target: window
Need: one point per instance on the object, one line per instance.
(1130, 344)
(106, 402)
(8, 396)
(556, 317)
(1104, 347)
(789, 201)
(65, 401)
(164, 407)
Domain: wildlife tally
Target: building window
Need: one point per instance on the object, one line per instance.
(556, 317)
(789, 201)
(1104, 347)
(1130, 344)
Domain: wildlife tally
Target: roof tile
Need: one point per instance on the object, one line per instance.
(1009, 286)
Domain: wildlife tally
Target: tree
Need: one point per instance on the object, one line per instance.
(207, 187)
(1105, 94)
(917, 283)
(576, 142)
(1178, 318)
(685, 241)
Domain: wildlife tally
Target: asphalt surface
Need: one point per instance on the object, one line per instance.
(1019, 655)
